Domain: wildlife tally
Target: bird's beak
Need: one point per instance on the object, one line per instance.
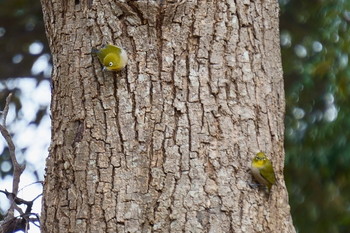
(104, 68)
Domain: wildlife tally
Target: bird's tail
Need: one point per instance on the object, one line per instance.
(94, 50)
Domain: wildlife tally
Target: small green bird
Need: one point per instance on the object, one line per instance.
(262, 170)
(113, 58)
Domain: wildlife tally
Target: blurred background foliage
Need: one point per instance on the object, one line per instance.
(315, 42)
(22, 40)
(25, 70)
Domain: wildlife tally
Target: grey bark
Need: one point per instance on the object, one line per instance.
(165, 145)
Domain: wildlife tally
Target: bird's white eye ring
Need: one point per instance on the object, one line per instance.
(110, 64)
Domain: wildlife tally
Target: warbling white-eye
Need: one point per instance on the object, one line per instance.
(262, 170)
(113, 58)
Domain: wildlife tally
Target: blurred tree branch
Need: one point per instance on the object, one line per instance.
(17, 169)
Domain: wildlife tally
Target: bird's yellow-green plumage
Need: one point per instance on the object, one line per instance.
(262, 170)
(113, 58)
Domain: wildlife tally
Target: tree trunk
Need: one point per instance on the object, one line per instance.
(164, 145)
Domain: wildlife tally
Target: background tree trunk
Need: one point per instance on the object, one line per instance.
(164, 145)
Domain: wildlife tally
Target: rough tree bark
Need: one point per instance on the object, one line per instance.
(164, 145)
